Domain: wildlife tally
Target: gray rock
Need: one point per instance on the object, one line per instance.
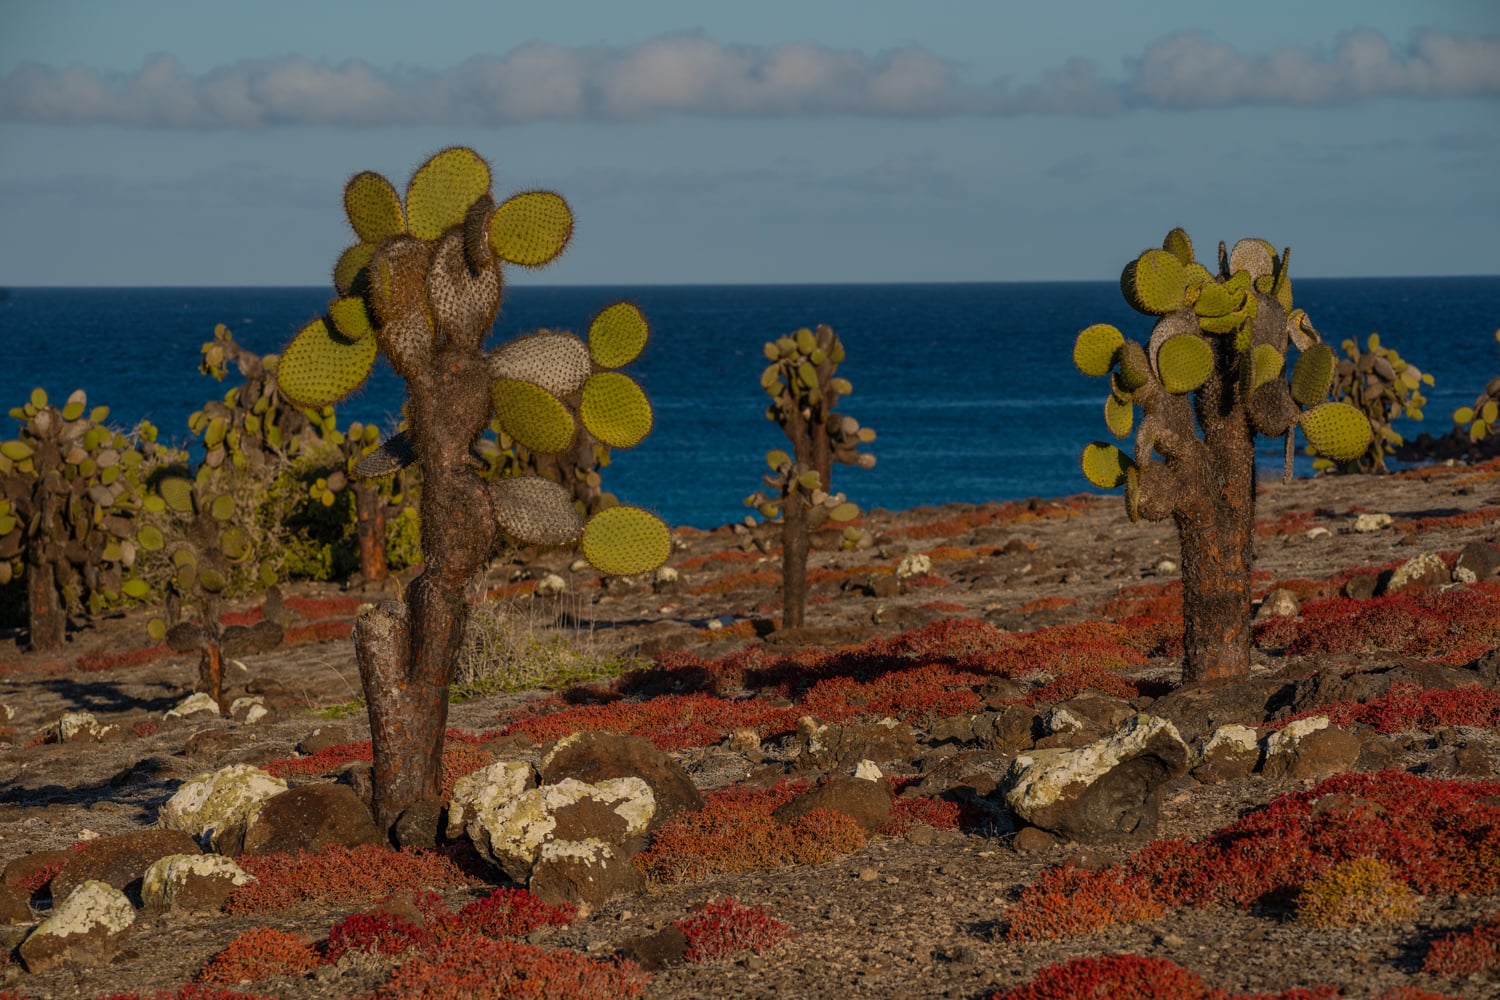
(213, 807)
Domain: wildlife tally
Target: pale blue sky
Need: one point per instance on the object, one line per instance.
(205, 143)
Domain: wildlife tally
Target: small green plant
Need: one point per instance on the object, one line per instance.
(1479, 420)
(1383, 386)
(422, 286)
(70, 495)
(506, 649)
(804, 390)
(1208, 381)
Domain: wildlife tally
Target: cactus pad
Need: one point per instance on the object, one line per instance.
(442, 190)
(531, 229)
(373, 207)
(463, 301)
(617, 335)
(1118, 417)
(624, 541)
(1255, 257)
(320, 368)
(351, 264)
(535, 511)
(1266, 363)
(1104, 465)
(558, 362)
(1184, 362)
(615, 410)
(177, 492)
(1313, 374)
(1179, 245)
(1094, 350)
(350, 317)
(532, 415)
(1154, 282)
(1337, 431)
(1135, 367)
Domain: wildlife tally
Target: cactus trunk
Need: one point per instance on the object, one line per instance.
(1216, 578)
(794, 543)
(48, 619)
(369, 513)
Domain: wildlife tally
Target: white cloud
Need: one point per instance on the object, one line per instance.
(691, 74)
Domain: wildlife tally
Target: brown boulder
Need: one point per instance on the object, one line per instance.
(1311, 755)
(595, 757)
(867, 802)
(15, 905)
(121, 860)
(23, 870)
(310, 818)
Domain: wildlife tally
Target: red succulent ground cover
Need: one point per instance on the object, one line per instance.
(1451, 627)
(342, 875)
(1134, 977)
(1437, 836)
(1408, 705)
(468, 966)
(735, 832)
(1466, 953)
(724, 928)
(460, 757)
(260, 953)
(191, 991)
(990, 515)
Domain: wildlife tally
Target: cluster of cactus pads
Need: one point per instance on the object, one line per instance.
(1382, 385)
(70, 495)
(1479, 420)
(804, 391)
(253, 426)
(422, 286)
(1211, 376)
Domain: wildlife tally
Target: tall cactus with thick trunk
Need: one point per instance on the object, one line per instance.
(1208, 380)
(422, 287)
(804, 391)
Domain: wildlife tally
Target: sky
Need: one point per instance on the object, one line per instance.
(199, 142)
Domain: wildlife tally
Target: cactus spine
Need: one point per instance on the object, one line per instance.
(1212, 377)
(422, 287)
(804, 391)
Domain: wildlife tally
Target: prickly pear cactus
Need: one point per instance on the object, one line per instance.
(1383, 386)
(196, 533)
(1212, 375)
(1478, 421)
(375, 501)
(253, 427)
(70, 495)
(804, 391)
(422, 287)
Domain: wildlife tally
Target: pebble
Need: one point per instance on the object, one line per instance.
(868, 875)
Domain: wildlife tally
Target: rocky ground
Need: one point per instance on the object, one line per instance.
(924, 911)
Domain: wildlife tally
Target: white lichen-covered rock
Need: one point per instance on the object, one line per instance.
(197, 703)
(551, 585)
(1422, 571)
(249, 710)
(86, 928)
(83, 727)
(868, 770)
(194, 883)
(1368, 523)
(1105, 790)
(1285, 739)
(1310, 749)
(913, 565)
(487, 790)
(513, 832)
(214, 807)
(1230, 752)
(1059, 720)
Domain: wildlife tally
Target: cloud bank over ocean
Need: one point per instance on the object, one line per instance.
(692, 74)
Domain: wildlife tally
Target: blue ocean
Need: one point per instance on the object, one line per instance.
(970, 387)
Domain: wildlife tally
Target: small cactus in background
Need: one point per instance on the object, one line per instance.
(1478, 421)
(206, 553)
(1208, 380)
(1383, 386)
(70, 493)
(373, 498)
(804, 391)
(252, 427)
(422, 287)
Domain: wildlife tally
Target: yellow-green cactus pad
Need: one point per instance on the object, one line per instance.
(843, 512)
(1133, 493)
(1266, 363)
(1337, 431)
(1234, 321)
(558, 362)
(319, 367)
(150, 538)
(350, 263)
(532, 415)
(624, 541)
(350, 317)
(442, 190)
(1094, 350)
(617, 335)
(1104, 465)
(1463, 415)
(177, 492)
(535, 511)
(1179, 245)
(1119, 416)
(531, 229)
(1313, 374)
(615, 410)
(373, 207)
(1154, 283)
(1215, 299)
(234, 543)
(1184, 363)
(1135, 367)
(1257, 258)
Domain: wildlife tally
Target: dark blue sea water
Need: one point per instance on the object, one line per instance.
(970, 386)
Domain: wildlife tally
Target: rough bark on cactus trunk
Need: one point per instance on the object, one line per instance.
(47, 618)
(369, 512)
(794, 543)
